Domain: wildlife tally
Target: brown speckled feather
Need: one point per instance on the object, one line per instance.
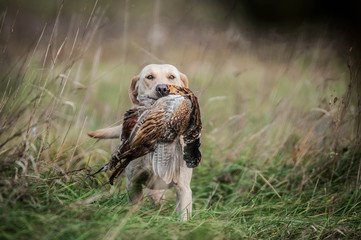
(155, 129)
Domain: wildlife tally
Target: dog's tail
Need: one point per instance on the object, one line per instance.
(106, 133)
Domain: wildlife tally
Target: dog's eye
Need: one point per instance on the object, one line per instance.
(171, 77)
(150, 76)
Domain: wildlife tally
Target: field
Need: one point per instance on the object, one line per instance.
(280, 145)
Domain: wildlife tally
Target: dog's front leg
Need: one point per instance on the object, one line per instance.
(136, 178)
(156, 197)
(184, 201)
(135, 192)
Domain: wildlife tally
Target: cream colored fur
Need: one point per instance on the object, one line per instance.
(140, 171)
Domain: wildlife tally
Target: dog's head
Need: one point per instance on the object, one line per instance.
(144, 84)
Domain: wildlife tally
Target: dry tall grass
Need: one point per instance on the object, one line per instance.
(286, 111)
(254, 104)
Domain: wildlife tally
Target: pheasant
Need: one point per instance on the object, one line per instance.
(152, 128)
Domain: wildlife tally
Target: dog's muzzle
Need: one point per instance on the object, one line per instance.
(162, 90)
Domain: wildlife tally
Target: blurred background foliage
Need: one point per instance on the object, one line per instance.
(279, 88)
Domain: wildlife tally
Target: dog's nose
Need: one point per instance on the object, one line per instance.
(162, 90)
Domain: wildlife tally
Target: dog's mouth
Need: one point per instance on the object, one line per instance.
(142, 98)
(161, 90)
(146, 100)
(153, 98)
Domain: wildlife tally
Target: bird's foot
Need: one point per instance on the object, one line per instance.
(192, 155)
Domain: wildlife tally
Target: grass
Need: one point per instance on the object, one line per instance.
(281, 158)
(82, 208)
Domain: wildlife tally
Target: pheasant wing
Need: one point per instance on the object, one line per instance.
(167, 156)
(159, 130)
(166, 160)
(141, 141)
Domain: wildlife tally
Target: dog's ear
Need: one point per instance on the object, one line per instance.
(184, 79)
(133, 90)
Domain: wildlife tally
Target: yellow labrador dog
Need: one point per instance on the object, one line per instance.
(140, 171)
